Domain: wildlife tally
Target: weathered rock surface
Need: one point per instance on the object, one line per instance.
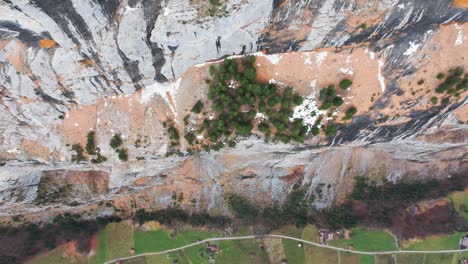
(126, 66)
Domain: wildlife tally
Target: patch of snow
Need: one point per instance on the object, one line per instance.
(167, 11)
(313, 83)
(459, 39)
(260, 116)
(274, 58)
(162, 89)
(321, 57)
(347, 71)
(273, 81)
(348, 59)
(211, 116)
(13, 151)
(412, 49)
(200, 136)
(305, 110)
(372, 55)
(380, 76)
(307, 60)
(401, 6)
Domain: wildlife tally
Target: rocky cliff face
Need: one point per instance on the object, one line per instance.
(68, 67)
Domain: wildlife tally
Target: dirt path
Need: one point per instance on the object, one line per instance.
(295, 239)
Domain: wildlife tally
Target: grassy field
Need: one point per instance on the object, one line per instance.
(241, 251)
(293, 253)
(315, 254)
(367, 240)
(460, 203)
(168, 258)
(152, 241)
(435, 243)
(119, 240)
(100, 255)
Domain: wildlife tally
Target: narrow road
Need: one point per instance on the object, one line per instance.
(295, 239)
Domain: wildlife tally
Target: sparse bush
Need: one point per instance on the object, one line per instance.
(242, 207)
(90, 145)
(116, 141)
(337, 101)
(173, 133)
(99, 159)
(315, 130)
(123, 155)
(434, 100)
(350, 113)
(198, 107)
(190, 137)
(330, 130)
(420, 82)
(458, 71)
(78, 156)
(345, 84)
(440, 76)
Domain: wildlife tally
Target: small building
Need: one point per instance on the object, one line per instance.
(210, 249)
(464, 242)
(325, 235)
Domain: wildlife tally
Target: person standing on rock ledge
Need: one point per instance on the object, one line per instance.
(218, 44)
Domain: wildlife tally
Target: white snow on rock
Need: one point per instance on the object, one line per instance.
(161, 89)
(313, 83)
(412, 49)
(460, 36)
(260, 116)
(273, 81)
(380, 76)
(274, 58)
(305, 110)
(320, 57)
(347, 70)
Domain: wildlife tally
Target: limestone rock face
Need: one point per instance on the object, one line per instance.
(124, 66)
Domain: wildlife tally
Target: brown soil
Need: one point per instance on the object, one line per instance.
(68, 185)
(462, 113)
(309, 71)
(47, 43)
(93, 244)
(35, 149)
(440, 219)
(274, 249)
(461, 3)
(437, 56)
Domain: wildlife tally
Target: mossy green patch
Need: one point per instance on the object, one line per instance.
(367, 240)
(460, 203)
(154, 241)
(315, 254)
(100, 256)
(119, 240)
(293, 253)
(241, 251)
(436, 243)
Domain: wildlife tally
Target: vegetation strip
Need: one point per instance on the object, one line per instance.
(295, 239)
